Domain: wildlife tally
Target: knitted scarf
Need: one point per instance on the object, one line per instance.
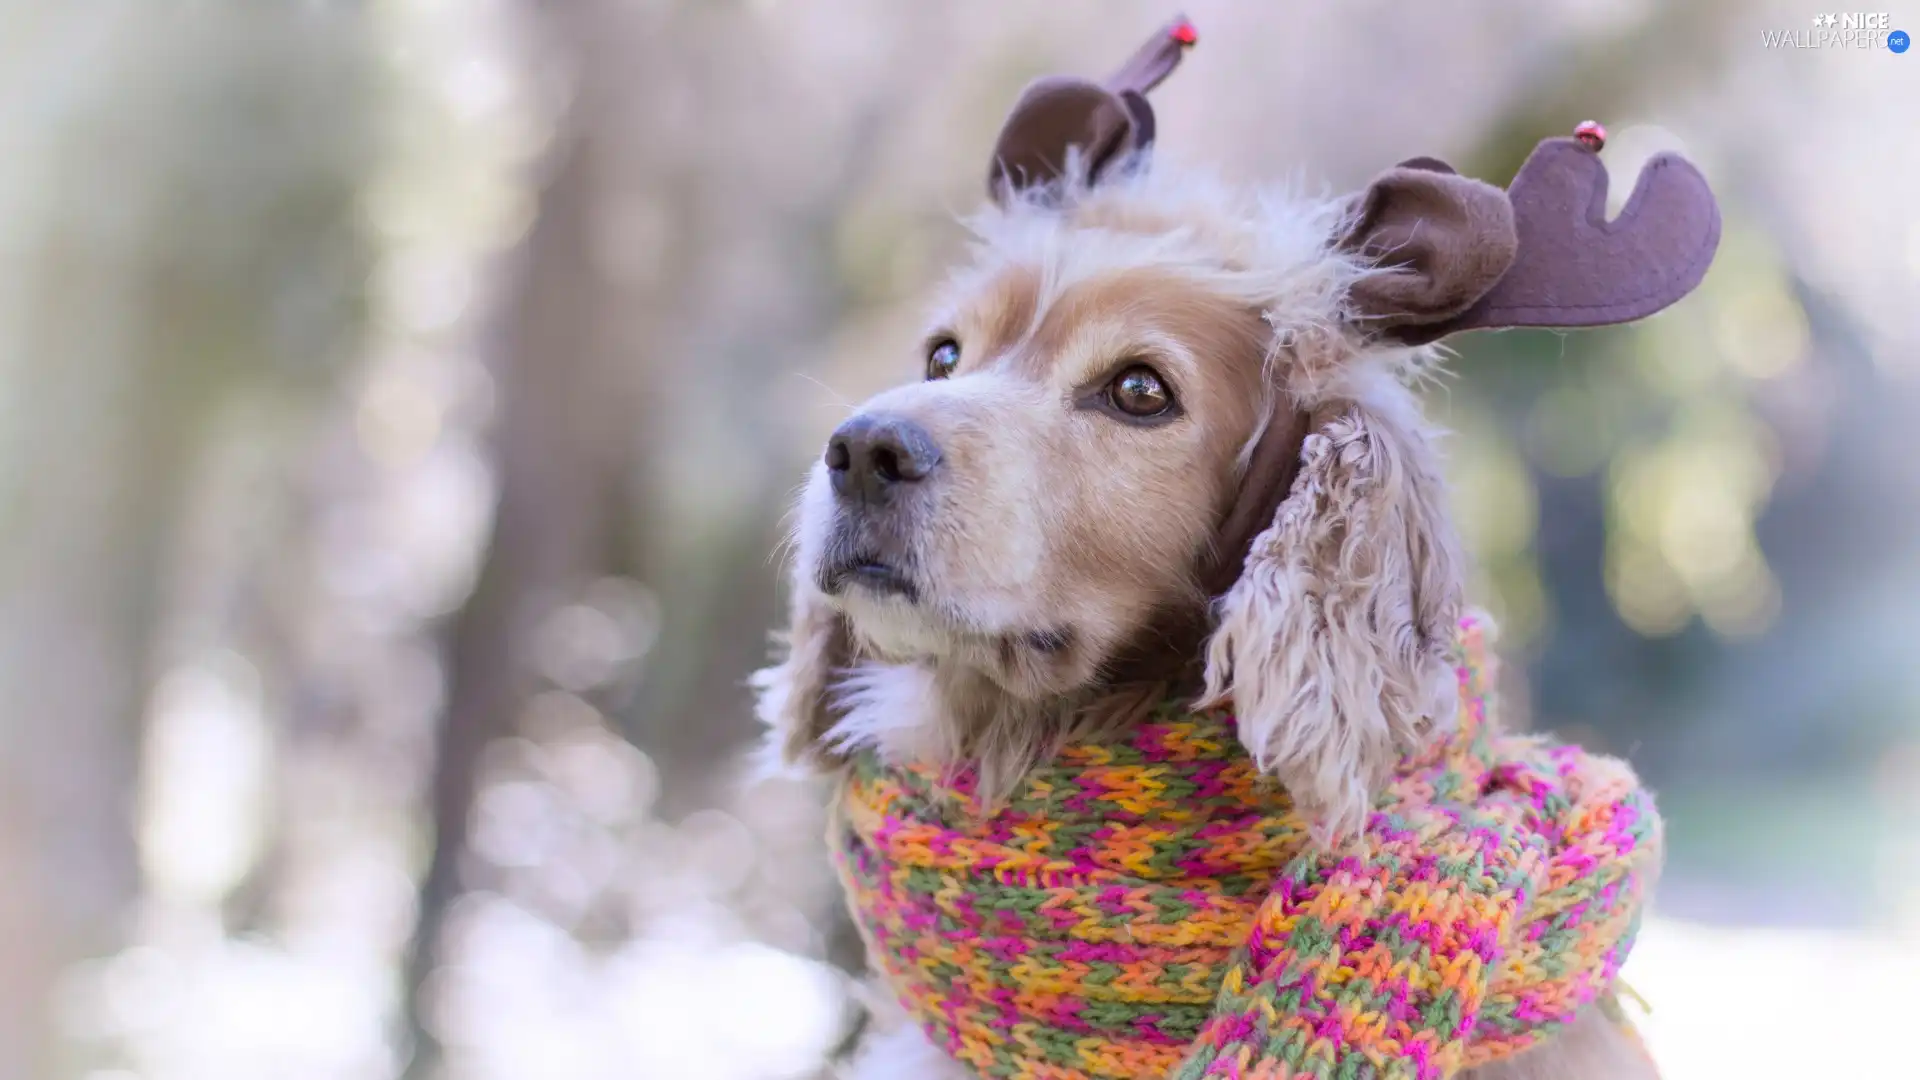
(1152, 907)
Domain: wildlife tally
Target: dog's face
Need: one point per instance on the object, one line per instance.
(1053, 480)
(1101, 397)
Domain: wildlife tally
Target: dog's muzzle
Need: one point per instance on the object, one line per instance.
(875, 463)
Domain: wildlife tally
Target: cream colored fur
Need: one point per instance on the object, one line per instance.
(890, 707)
(1332, 645)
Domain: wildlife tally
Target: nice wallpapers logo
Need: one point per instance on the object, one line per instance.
(1846, 30)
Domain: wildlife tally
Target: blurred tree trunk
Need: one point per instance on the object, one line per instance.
(177, 218)
(560, 457)
(596, 453)
(77, 611)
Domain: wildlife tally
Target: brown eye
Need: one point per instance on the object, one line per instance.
(1139, 391)
(943, 358)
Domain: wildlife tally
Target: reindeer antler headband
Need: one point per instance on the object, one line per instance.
(1105, 122)
(1573, 267)
(1566, 266)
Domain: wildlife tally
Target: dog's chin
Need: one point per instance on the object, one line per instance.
(916, 627)
(871, 578)
(885, 605)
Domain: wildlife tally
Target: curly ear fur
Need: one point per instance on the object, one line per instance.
(1332, 644)
(793, 697)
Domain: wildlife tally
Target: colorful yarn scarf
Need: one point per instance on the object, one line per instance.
(1152, 907)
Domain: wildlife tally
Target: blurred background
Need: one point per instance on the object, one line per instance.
(399, 401)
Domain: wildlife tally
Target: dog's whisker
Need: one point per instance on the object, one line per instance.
(836, 397)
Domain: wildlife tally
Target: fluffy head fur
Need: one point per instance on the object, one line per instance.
(1059, 547)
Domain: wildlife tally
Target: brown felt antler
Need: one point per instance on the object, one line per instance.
(1105, 122)
(1573, 267)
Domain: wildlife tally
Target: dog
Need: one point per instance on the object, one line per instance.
(1166, 439)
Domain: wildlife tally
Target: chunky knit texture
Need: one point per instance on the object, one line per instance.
(1152, 907)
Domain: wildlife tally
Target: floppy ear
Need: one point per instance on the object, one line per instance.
(1332, 643)
(791, 697)
(1437, 241)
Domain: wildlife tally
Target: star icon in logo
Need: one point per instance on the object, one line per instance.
(1816, 22)
(1830, 20)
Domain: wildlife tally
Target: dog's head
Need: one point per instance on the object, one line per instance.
(1150, 403)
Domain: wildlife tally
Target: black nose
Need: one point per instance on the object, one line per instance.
(869, 456)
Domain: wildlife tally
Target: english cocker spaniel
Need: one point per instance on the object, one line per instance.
(1164, 440)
